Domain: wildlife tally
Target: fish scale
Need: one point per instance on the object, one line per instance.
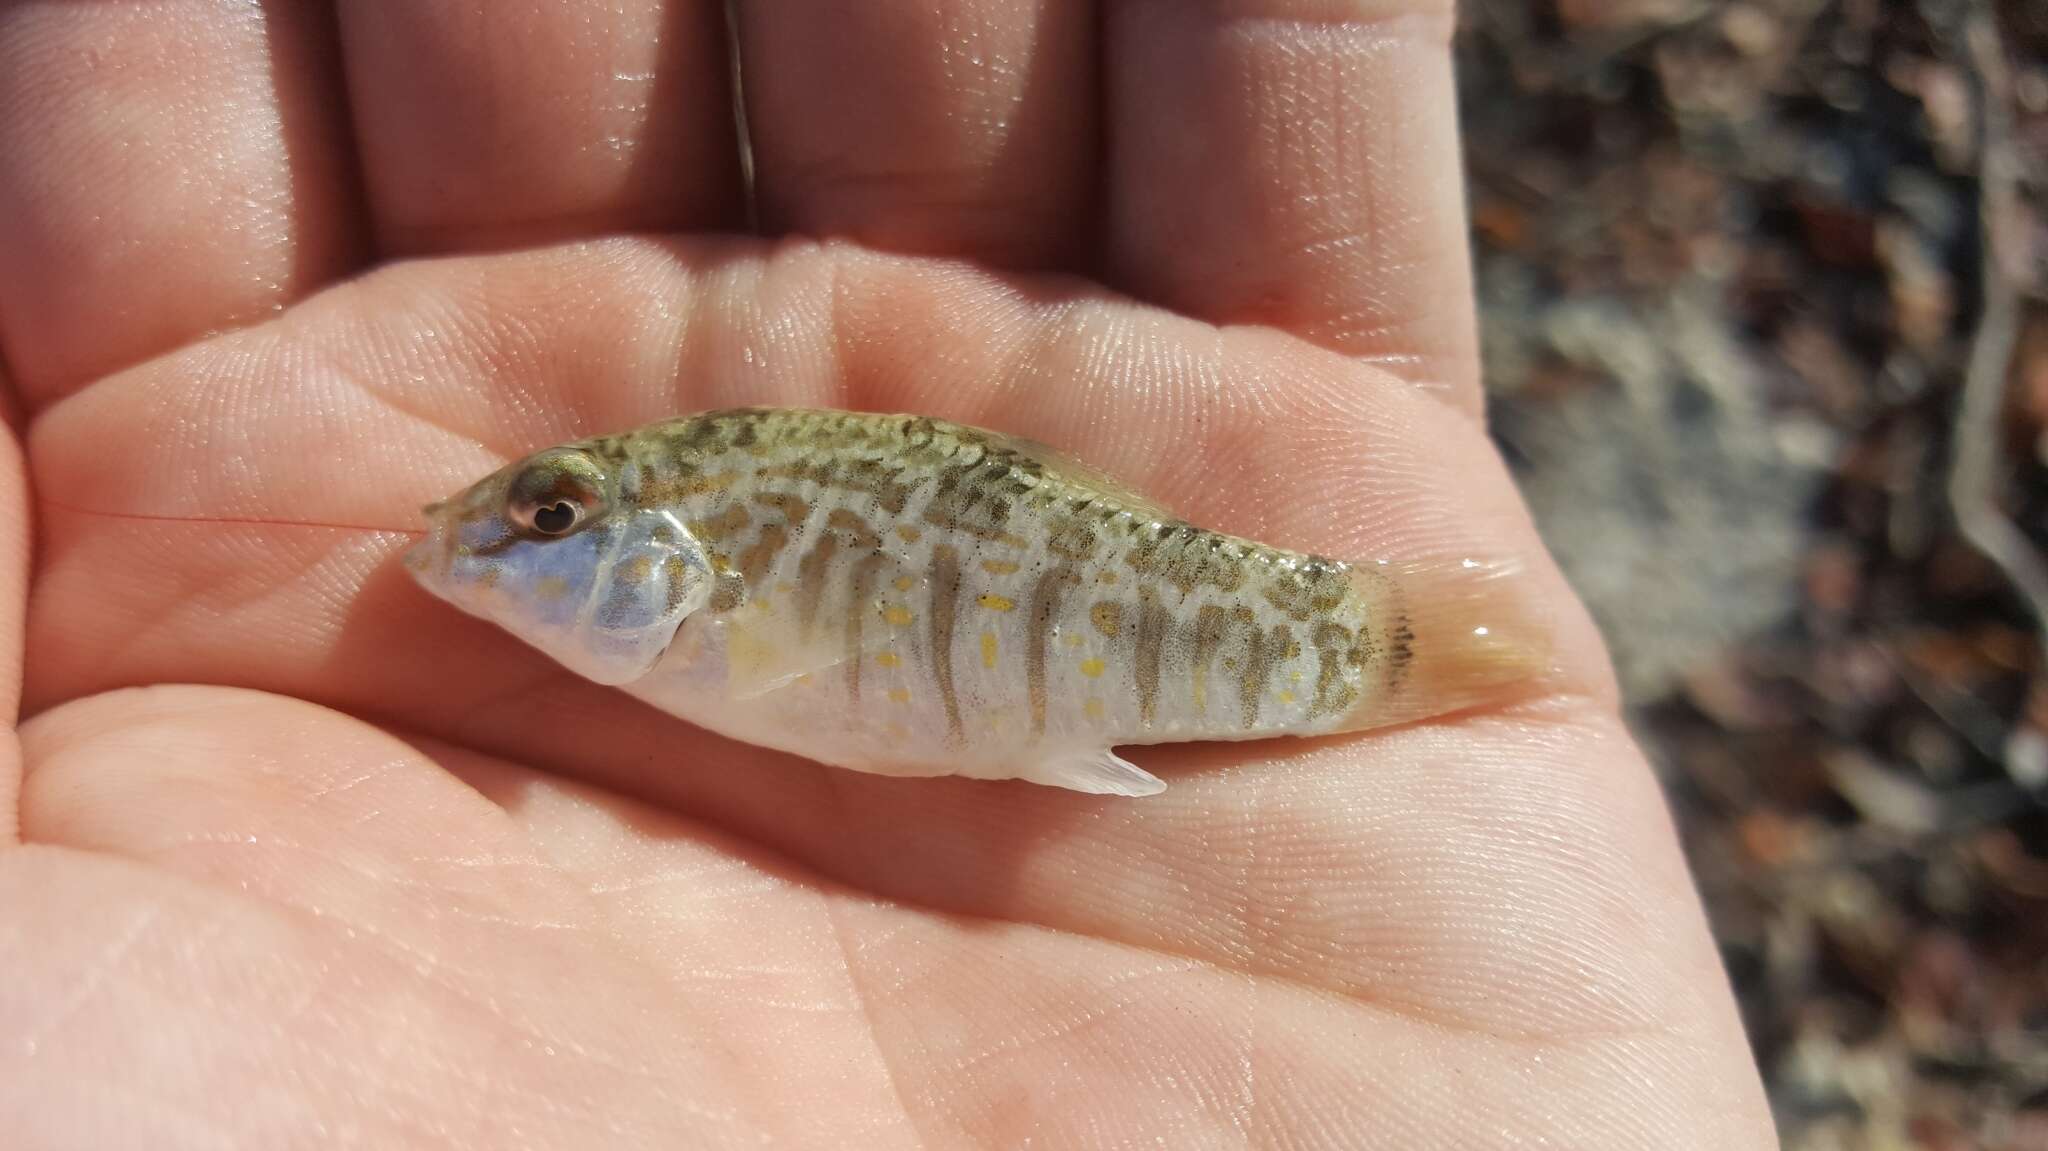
(903, 595)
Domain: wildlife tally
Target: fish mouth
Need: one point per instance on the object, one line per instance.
(431, 556)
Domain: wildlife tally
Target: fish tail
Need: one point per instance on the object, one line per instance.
(1441, 639)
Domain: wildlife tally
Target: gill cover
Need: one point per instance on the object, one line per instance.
(603, 601)
(650, 579)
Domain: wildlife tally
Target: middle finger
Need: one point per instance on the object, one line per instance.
(961, 128)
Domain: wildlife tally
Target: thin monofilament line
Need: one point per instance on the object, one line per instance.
(247, 521)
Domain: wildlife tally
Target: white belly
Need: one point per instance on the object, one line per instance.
(756, 681)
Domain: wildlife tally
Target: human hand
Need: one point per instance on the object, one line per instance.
(380, 875)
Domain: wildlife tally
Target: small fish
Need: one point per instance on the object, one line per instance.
(902, 595)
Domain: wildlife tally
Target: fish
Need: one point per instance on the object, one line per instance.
(902, 595)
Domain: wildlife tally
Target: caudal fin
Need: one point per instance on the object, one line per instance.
(1455, 637)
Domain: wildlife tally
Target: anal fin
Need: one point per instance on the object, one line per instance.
(1098, 772)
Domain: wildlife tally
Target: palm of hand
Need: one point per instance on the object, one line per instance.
(391, 876)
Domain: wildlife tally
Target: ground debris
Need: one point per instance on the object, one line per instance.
(1732, 263)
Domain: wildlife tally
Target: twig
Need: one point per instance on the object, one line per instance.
(1973, 481)
(1961, 712)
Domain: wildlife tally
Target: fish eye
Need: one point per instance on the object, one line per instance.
(554, 519)
(555, 493)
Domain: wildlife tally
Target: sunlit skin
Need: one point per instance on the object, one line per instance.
(296, 855)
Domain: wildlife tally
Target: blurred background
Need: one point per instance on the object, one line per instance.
(1764, 295)
(1764, 288)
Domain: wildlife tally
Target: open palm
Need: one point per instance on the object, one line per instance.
(305, 858)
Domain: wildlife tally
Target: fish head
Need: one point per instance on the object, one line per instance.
(554, 549)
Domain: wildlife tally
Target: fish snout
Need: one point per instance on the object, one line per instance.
(432, 555)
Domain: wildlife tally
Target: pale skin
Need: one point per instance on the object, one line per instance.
(295, 855)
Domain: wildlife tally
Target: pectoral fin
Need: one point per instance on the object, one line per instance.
(761, 660)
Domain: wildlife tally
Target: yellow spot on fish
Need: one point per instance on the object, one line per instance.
(1106, 577)
(904, 583)
(1286, 697)
(785, 589)
(899, 695)
(748, 656)
(1091, 668)
(988, 649)
(998, 567)
(997, 602)
(1076, 640)
(804, 678)
(1293, 677)
(898, 616)
(907, 534)
(552, 587)
(889, 659)
(1093, 707)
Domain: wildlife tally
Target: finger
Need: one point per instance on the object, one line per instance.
(500, 125)
(293, 799)
(960, 128)
(1295, 163)
(172, 168)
